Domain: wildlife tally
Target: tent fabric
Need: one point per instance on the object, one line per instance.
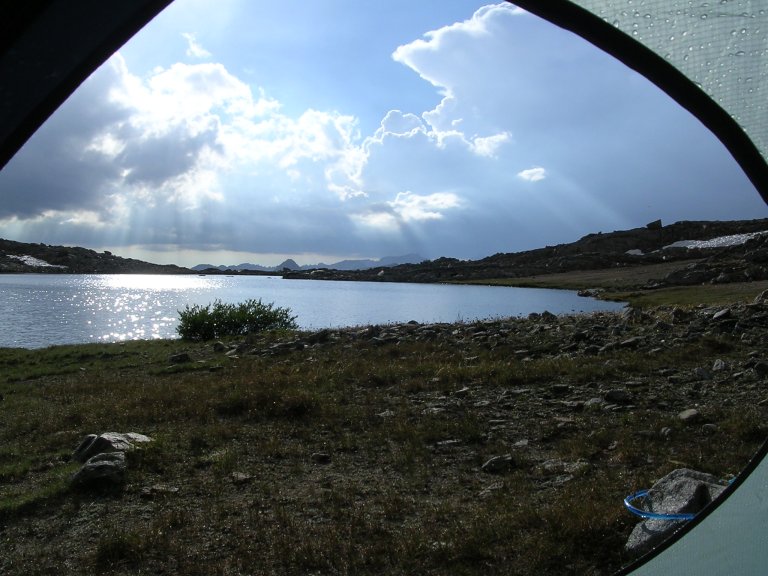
(48, 47)
(721, 46)
(709, 56)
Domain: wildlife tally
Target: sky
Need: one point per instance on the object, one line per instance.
(232, 131)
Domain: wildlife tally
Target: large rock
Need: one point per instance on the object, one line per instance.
(105, 469)
(108, 442)
(679, 492)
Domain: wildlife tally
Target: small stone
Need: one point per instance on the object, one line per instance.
(498, 464)
(632, 342)
(181, 358)
(709, 428)
(722, 314)
(240, 478)
(594, 404)
(719, 365)
(689, 416)
(320, 458)
(219, 347)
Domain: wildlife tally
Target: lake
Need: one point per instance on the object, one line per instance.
(39, 310)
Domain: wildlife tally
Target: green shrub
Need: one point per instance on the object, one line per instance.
(218, 319)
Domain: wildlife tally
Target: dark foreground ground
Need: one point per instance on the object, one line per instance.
(362, 451)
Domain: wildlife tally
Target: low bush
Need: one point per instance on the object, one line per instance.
(218, 319)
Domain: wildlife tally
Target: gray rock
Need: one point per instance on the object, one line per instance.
(719, 365)
(594, 404)
(181, 358)
(633, 342)
(107, 442)
(689, 416)
(722, 314)
(105, 469)
(681, 491)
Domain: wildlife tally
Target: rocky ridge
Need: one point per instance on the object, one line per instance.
(620, 249)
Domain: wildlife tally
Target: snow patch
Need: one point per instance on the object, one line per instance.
(32, 261)
(721, 242)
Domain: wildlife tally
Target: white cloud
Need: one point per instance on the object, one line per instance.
(414, 207)
(534, 174)
(194, 48)
(490, 144)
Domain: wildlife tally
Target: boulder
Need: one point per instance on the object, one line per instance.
(107, 442)
(679, 492)
(105, 469)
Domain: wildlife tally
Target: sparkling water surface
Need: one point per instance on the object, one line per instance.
(39, 310)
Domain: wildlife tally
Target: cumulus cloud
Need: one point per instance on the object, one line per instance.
(414, 207)
(533, 174)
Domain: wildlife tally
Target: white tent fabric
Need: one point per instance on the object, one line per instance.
(721, 46)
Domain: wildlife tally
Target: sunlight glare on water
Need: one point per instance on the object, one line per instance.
(38, 310)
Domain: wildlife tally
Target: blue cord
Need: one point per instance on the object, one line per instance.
(652, 515)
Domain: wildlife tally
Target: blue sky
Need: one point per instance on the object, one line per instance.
(229, 131)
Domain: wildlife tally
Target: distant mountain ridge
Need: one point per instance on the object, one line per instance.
(290, 264)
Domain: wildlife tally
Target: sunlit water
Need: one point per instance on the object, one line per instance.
(38, 310)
